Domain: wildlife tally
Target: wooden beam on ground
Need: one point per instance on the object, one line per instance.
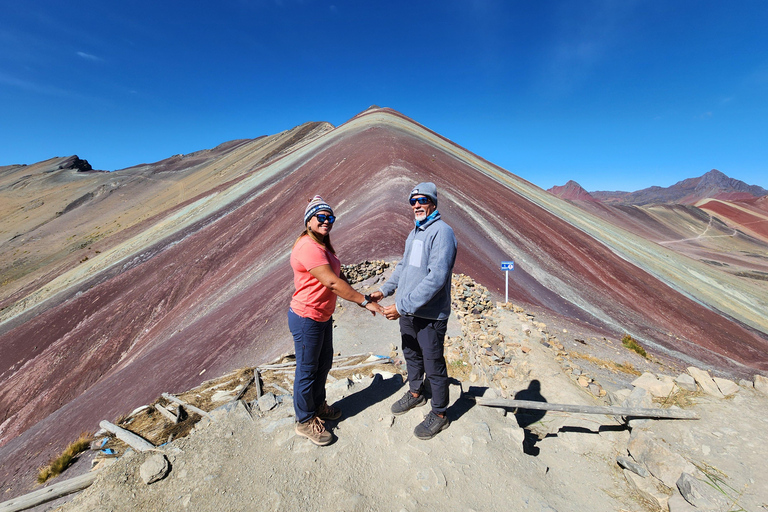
(49, 493)
(189, 407)
(279, 366)
(165, 412)
(383, 360)
(279, 388)
(136, 442)
(634, 412)
(245, 387)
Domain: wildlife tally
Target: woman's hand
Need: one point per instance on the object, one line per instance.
(374, 308)
(337, 285)
(376, 296)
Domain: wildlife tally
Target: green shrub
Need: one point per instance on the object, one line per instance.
(632, 344)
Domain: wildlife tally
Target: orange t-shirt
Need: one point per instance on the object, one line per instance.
(311, 298)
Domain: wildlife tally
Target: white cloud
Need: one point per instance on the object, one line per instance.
(88, 56)
(28, 86)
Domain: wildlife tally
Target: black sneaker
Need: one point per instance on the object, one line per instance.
(407, 403)
(431, 425)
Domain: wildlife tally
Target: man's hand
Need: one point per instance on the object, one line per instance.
(391, 312)
(376, 296)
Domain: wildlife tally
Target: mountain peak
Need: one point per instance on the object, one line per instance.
(572, 191)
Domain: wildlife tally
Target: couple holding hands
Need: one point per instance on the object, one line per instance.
(422, 279)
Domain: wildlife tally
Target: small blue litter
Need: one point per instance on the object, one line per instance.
(103, 442)
(108, 451)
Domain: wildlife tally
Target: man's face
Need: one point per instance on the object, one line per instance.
(422, 211)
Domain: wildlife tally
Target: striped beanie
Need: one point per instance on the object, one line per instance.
(316, 204)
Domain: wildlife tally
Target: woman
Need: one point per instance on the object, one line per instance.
(318, 281)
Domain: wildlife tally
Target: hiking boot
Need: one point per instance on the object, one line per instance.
(314, 431)
(328, 412)
(431, 425)
(407, 403)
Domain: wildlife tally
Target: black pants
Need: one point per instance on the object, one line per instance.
(423, 352)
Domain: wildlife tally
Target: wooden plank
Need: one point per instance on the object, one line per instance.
(280, 389)
(165, 412)
(281, 366)
(189, 407)
(383, 360)
(136, 442)
(49, 493)
(634, 412)
(245, 387)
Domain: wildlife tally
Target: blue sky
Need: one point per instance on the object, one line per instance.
(617, 95)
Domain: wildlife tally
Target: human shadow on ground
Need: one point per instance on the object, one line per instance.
(527, 417)
(377, 391)
(464, 403)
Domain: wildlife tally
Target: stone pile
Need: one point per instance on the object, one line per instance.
(499, 360)
(496, 360)
(362, 271)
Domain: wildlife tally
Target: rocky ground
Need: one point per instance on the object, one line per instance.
(247, 456)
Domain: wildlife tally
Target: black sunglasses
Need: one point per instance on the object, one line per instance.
(321, 218)
(420, 200)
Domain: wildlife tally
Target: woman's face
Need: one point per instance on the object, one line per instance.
(316, 226)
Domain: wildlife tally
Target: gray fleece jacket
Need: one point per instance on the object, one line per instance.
(423, 277)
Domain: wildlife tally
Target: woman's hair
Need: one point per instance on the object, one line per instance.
(326, 241)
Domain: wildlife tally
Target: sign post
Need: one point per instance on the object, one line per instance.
(506, 266)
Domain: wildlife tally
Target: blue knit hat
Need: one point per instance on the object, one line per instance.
(425, 189)
(316, 204)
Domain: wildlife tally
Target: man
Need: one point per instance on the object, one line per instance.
(422, 279)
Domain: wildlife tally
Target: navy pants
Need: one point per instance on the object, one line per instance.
(313, 343)
(423, 351)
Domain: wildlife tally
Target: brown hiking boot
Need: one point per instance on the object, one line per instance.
(328, 412)
(314, 431)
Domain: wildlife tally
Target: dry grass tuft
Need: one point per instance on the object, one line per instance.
(63, 461)
(610, 365)
(681, 398)
(459, 369)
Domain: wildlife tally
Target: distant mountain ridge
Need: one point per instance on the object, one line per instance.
(714, 184)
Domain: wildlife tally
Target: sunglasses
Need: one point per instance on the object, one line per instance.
(420, 200)
(321, 218)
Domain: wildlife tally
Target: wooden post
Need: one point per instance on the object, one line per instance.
(136, 442)
(634, 412)
(257, 381)
(188, 406)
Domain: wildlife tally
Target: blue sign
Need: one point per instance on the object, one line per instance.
(507, 265)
